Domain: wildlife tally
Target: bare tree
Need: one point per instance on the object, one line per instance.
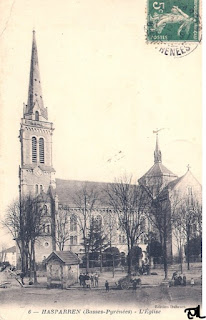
(161, 219)
(177, 228)
(62, 231)
(85, 199)
(159, 215)
(12, 223)
(24, 220)
(179, 236)
(187, 222)
(110, 226)
(129, 201)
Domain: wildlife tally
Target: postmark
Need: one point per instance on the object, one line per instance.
(173, 21)
(175, 49)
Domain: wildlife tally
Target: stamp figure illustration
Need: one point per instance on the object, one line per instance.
(173, 21)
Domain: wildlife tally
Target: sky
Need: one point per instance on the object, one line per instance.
(105, 87)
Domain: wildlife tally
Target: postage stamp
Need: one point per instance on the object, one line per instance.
(173, 20)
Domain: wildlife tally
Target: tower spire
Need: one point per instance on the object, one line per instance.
(35, 100)
(157, 152)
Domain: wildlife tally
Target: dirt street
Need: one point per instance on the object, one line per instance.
(86, 297)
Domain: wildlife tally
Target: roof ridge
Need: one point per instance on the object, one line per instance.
(85, 181)
(176, 181)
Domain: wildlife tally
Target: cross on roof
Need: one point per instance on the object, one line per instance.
(188, 167)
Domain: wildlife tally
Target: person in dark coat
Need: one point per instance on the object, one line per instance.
(107, 285)
(134, 285)
(184, 280)
(174, 276)
(84, 280)
(92, 279)
(87, 280)
(81, 279)
(96, 280)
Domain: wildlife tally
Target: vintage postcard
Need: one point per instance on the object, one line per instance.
(101, 159)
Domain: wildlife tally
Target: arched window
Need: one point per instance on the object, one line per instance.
(37, 116)
(34, 149)
(73, 240)
(73, 223)
(41, 150)
(190, 191)
(45, 209)
(122, 239)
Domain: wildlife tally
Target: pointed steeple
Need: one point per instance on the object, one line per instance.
(35, 100)
(157, 152)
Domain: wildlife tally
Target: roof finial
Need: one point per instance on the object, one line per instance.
(188, 167)
(157, 153)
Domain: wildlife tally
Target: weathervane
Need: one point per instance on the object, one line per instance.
(157, 130)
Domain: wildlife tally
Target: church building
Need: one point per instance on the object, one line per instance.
(59, 197)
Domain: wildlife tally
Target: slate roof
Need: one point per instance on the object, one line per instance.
(158, 169)
(67, 190)
(67, 257)
(35, 91)
(173, 183)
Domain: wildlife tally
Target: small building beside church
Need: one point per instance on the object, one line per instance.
(62, 269)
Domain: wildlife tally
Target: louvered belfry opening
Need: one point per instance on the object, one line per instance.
(34, 149)
(41, 150)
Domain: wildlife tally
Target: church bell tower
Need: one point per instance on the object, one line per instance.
(36, 172)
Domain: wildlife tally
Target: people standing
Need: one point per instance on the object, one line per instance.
(87, 279)
(107, 285)
(96, 280)
(92, 280)
(81, 279)
(184, 280)
(84, 280)
(192, 282)
(134, 285)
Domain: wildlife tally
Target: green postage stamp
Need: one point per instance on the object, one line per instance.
(173, 20)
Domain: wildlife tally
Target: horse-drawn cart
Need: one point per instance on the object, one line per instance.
(128, 282)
